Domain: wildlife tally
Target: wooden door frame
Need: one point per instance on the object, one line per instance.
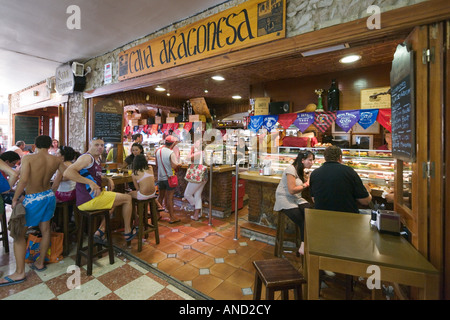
(446, 248)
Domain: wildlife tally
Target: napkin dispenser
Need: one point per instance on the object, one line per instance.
(388, 221)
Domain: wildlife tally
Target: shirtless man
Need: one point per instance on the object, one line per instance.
(35, 173)
(95, 198)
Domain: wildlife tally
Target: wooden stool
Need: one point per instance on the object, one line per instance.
(63, 208)
(277, 274)
(4, 226)
(140, 208)
(91, 228)
(279, 240)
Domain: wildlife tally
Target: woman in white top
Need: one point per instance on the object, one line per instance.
(64, 189)
(288, 197)
(143, 179)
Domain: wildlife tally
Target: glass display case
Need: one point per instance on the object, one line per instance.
(375, 167)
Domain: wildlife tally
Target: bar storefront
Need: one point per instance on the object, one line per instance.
(282, 116)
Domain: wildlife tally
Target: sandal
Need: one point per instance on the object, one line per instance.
(100, 239)
(130, 236)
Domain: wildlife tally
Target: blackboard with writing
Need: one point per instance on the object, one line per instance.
(26, 128)
(403, 105)
(108, 126)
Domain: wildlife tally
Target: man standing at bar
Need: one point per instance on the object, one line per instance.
(337, 187)
(35, 173)
(87, 173)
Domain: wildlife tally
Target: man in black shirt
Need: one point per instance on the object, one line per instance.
(337, 187)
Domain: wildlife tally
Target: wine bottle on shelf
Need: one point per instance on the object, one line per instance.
(333, 97)
(158, 114)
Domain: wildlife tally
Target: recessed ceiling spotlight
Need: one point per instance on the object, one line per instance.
(218, 78)
(206, 91)
(168, 94)
(350, 59)
(159, 88)
(236, 97)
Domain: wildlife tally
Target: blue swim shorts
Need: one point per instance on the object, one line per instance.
(39, 207)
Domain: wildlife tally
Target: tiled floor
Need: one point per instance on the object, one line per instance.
(192, 261)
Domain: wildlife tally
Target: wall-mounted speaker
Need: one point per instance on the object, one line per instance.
(279, 107)
(80, 84)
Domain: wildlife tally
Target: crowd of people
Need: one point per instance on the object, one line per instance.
(53, 173)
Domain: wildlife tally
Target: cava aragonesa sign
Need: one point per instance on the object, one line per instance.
(251, 23)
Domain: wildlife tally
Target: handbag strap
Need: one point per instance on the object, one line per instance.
(162, 163)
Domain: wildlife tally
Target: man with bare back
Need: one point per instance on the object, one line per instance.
(36, 172)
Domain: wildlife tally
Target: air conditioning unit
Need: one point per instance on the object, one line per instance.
(78, 69)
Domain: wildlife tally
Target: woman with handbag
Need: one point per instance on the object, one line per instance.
(197, 176)
(167, 180)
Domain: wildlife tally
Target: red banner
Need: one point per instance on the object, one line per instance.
(286, 119)
(384, 118)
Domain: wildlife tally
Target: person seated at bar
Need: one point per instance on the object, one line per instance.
(136, 149)
(337, 187)
(288, 196)
(143, 179)
(10, 159)
(89, 194)
(64, 189)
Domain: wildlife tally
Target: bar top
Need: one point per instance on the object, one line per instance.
(349, 236)
(255, 176)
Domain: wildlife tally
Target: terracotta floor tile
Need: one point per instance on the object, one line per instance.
(214, 239)
(154, 256)
(222, 270)
(199, 234)
(235, 260)
(186, 272)
(203, 261)
(242, 278)
(226, 291)
(170, 248)
(187, 229)
(165, 294)
(186, 240)
(206, 283)
(174, 236)
(201, 246)
(170, 265)
(229, 244)
(187, 255)
(217, 252)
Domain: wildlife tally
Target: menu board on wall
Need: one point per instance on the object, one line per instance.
(26, 128)
(403, 105)
(108, 121)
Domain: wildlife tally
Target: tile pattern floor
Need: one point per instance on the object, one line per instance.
(192, 261)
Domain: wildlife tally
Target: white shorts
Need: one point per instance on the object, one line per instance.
(141, 196)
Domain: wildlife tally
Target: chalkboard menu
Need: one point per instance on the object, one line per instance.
(403, 105)
(26, 128)
(108, 118)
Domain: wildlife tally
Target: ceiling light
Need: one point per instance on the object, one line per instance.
(206, 91)
(159, 88)
(350, 58)
(218, 78)
(236, 97)
(168, 94)
(325, 50)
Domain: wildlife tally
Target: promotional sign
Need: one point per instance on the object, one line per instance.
(270, 122)
(367, 118)
(251, 23)
(304, 120)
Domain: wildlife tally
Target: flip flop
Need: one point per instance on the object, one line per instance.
(130, 236)
(11, 281)
(32, 266)
(100, 239)
(174, 221)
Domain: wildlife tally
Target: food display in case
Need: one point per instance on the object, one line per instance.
(375, 167)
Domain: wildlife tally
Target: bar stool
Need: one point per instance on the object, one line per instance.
(90, 216)
(277, 274)
(4, 226)
(63, 209)
(279, 240)
(140, 208)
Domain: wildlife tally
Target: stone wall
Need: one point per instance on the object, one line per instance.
(77, 122)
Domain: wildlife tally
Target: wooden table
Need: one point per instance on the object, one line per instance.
(119, 181)
(345, 243)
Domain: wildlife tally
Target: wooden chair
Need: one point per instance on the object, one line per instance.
(140, 208)
(88, 251)
(277, 275)
(279, 239)
(62, 208)
(4, 226)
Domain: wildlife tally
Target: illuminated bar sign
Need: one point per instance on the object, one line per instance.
(251, 23)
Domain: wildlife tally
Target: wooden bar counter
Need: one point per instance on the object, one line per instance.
(345, 243)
